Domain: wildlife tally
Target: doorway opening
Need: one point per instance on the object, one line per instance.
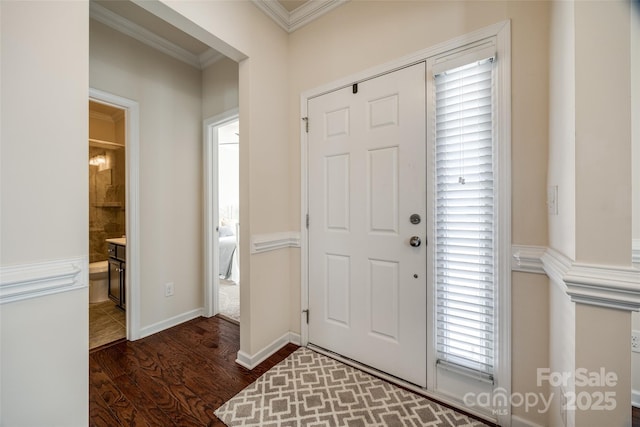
(222, 192)
(107, 224)
(119, 250)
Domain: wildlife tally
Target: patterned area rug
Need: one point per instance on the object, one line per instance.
(309, 389)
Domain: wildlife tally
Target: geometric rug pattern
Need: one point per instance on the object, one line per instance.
(312, 390)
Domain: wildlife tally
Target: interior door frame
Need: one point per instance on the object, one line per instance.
(211, 215)
(502, 31)
(132, 212)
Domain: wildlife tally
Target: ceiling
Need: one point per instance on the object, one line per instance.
(291, 5)
(151, 22)
(134, 21)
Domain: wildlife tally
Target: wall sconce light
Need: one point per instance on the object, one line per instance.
(98, 160)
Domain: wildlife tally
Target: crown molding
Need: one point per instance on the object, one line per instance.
(131, 29)
(299, 17)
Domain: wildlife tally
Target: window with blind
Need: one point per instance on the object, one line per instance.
(465, 216)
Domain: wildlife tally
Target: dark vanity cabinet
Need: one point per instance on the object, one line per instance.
(117, 268)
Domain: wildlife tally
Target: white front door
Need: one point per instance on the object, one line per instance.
(367, 177)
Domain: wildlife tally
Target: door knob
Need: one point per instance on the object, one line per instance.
(415, 241)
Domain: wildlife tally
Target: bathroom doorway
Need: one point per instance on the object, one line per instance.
(222, 190)
(107, 224)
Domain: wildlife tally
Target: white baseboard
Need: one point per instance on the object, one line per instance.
(170, 323)
(251, 361)
(517, 421)
(24, 281)
(635, 398)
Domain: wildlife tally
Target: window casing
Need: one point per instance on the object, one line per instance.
(465, 216)
(469, 231)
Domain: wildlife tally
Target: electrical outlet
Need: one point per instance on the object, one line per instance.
(168, 289)
(635, 341)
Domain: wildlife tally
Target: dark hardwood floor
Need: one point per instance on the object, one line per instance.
(177, 377)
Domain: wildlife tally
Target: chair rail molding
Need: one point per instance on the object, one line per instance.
(604, 286)
(271, 242)
(24, 281)
(527, 259)
(601, 285)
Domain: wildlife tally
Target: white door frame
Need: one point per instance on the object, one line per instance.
(132, 184)
(211, 215)
(501, 31)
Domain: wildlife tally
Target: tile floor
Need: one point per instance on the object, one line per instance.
(107, 323)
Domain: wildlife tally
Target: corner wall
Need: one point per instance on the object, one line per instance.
(589, 161)
(44, 190)
(246, 34)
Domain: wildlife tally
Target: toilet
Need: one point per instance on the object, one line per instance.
(98, 281)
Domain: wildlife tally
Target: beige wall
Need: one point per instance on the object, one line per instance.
(634, 46)
(603, 132)
(44, 190)
(219, 88)
(635, 165)
(169, 93)
(530, 339)
(361, 35)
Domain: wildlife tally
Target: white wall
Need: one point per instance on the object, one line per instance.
(561, 173)
(360, 35)
(44, 190)
(169, 94)
(562, 127)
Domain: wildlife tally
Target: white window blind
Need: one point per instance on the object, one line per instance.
(465, 217)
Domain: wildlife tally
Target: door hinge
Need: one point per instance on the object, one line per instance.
(307, 313)
(307, 221)
(306, 123)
